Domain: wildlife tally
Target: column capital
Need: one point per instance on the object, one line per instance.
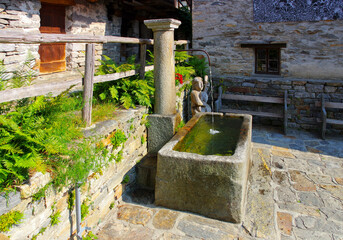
(165, 24)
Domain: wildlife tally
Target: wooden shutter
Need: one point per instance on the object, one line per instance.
(52, 55)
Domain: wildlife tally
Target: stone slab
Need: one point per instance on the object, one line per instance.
(165, 219)
(9, 202)
(161, 130)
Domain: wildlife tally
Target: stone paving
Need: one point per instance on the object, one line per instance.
(295, 192)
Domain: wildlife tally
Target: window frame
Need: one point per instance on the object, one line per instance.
(267, 59)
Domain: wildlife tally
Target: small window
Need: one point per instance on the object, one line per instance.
(267, 60)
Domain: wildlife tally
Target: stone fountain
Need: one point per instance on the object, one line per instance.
(207, 177)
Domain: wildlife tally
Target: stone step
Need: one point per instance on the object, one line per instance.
(146, 173)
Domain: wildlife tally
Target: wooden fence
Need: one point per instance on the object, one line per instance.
(89, 78)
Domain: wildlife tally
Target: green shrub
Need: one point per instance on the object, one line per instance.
(84, 209)
(55, 218)
(9, 219)
(128, 92)
(118, 138)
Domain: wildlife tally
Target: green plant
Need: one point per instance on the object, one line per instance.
(111, 205)
(71, 200)
(119, 156)
(143, 139)
(90, 236)
(118, 138)
(126, 179)
(41, 231)
(41, 193)
(84, 209)
(103, 111)
(9, 219)
(200, 66)
(181, 125)
(55, 216)
(22, 76)
(145, 120)
(127, 92)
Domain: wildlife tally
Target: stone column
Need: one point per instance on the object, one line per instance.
(164, 65)
(165, 119)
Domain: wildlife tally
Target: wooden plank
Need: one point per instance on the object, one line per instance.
(116, 76)
(58, 87)
(336, 105)
(261, 114)
(334, 121)
(142, 58)
(60, 2)
(7, 36)
(254, 98)
(88, 84)
(37, 90)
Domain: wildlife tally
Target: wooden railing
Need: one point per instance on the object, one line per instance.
(89, 78)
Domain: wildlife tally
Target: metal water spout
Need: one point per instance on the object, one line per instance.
(197, 50)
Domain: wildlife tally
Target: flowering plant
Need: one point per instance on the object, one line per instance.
(179, 78)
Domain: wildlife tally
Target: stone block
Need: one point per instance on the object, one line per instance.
(38, 181)
(329, 89)
(214, 186)
(9, 202)
(165, 219)
(161, 130)
(314, 88)
(134, 214)
(284, 222)
(7, 47)
(9, 17)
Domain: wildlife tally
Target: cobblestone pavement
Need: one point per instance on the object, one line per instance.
(295, 192)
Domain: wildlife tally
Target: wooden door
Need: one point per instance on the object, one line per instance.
(52, 55)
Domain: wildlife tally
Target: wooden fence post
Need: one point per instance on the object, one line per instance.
(88, 84)
(142, 58)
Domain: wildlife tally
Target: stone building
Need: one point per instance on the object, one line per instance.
(79, 17)
(266, 47)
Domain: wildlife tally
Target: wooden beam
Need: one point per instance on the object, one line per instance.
(58, 87)
(250, 98)
(60, 2)
(18, 37)
(142, 58)
(88, 84)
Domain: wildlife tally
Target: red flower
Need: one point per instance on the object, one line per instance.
(179, 78)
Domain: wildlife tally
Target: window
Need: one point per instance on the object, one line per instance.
(267, 55)
(267, 60)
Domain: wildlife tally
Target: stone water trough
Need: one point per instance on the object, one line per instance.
(204, 168)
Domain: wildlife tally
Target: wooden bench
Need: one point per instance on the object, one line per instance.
(323, 105)
(276, 100)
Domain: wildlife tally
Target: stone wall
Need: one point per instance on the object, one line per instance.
(303, 94)
(101, 189)
(314, 49)
(83, 18)
(22, 16)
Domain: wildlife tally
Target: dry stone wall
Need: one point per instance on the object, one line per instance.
(314, 49)
(22, 16)
(101, 190)
(303, 94)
